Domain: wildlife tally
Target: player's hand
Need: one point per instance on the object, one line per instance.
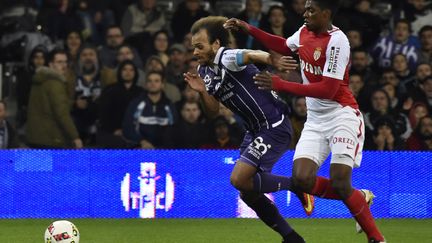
(236, 24)
(264, 80)
(195, 82)
(286, 64)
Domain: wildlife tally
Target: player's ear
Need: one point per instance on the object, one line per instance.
(216, 44)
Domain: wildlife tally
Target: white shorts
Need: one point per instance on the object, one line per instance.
(340, 131)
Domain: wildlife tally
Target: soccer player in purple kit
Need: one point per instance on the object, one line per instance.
(226, 75)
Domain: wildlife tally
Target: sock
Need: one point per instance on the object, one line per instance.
(361, 212)
(324, 189)
(265, 182)
(269, 214)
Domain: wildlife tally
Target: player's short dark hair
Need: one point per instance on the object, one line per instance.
(55, 52)
(214, 27)
(332, 5)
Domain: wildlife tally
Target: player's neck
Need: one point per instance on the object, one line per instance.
(325, 29)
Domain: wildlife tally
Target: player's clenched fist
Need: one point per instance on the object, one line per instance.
(236, 24)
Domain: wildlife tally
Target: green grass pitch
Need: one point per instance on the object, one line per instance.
(214, 230)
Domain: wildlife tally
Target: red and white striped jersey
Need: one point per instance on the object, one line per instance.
(326, 54)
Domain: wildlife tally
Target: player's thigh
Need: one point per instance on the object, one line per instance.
(312, 145)
(242, 171)
(347, 138)
(266, 147)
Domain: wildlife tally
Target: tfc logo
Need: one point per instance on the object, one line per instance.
(207, 79)
(260, 146)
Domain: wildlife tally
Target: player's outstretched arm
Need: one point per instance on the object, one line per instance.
(325, 89)
(272, 42)
(211, 105)
(257, 56)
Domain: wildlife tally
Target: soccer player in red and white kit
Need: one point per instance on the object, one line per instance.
(334, 122)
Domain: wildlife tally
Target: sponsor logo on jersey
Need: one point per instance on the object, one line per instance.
(333, 59)
(317, 53)
(307, 67)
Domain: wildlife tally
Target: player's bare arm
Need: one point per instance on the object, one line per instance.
(211, 105)
(257, 56)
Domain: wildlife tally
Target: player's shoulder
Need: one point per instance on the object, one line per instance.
(338, 34)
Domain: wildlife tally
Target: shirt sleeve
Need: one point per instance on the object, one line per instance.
(233, 60)
(338, 57)
(293, 41)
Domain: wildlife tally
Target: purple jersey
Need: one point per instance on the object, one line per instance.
(232, 83)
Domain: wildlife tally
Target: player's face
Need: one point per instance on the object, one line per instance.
(204, 51)
(315, 18)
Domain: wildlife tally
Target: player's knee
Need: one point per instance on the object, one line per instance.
(249, 197)
(342, 187)
(238, 182)
(304, 181)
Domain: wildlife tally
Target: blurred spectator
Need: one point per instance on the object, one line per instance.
(425, 36)
(95, 20)
(355, 38)
(58, 18)
(187, 42)
(361, 65)
(88, 86)
(423, 70)
(142, 16)
(113, 40)
(49, 123)
(186, 13)
(140, 21)
(298, 118)
(127, 52)
(189, 132)
(395, 98)
(294, 16)
(418, 12)
(380, 107)
(220, 135)
(400, 65)
(360, 91)
(8, 135)
(417, 112)
(421, 139)
(424, 92)
(235, 123)
(155, 64)
(360, 17)
(276, 18)
(149, 116)
(72, 46)
(401, 41)
(388, 75)
(385, 137)
(38, 58)
(176, 65)
(160, 46)
(113, 103)
(253, 15)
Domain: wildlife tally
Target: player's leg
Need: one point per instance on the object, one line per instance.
(340, 177)
(269, 214)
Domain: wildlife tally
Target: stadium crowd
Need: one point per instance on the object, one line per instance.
(114, 72)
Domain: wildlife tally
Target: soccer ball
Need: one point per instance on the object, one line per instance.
(62, 231)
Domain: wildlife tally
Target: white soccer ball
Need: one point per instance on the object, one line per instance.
(62, 231)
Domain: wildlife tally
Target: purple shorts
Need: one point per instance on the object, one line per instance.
(264, 148)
